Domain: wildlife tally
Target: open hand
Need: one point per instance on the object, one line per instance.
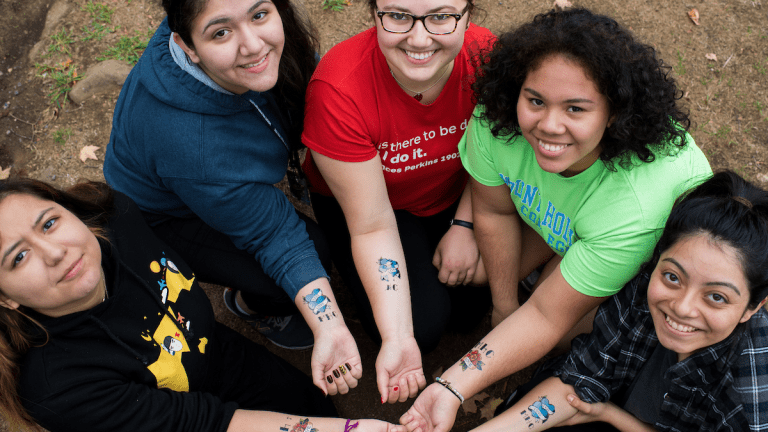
(399, 373)
(433, 411)
(336, 364)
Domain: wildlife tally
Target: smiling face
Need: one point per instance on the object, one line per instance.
(562, 115)
(238, 43)
(697, 295)
(51, 262)
(418, 58)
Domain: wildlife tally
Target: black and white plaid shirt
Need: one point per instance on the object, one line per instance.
(721, 388)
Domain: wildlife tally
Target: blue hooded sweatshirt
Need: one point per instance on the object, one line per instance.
(182, 146)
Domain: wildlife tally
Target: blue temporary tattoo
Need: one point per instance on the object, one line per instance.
(390, 270)
(319, 304)
(538, 412)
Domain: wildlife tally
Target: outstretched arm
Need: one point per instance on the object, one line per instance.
(360, 189)
(263, 421)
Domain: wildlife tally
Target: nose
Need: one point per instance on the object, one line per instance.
(684, 305)
(419, 36)
(250, 42)
(51, 252)
(551, 123)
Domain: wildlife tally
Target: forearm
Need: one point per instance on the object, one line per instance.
(264, 421)
(543, 407)
(318, 306)
(464, 209)
(380, 263)
(498, 238)
(626, 422)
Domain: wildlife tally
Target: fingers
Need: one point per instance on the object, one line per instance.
(411, 423)
(579, 404)
(342, 378)
(382, 382)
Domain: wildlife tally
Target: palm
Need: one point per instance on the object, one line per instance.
(433, 411)
(334, 348)
(399, 370)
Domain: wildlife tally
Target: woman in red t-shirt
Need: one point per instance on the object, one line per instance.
(385, 112)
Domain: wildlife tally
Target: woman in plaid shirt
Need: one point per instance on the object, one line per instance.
(684, 346)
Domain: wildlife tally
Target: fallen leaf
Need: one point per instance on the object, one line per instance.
(5, 173)
(562, 4)
(486, 412)
(693, 14)
(469, 404)
(88, 152)
(711, 56)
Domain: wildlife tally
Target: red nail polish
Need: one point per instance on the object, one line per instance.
(382, 399)
(395, 388)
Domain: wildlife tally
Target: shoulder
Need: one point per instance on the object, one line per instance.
(478, 40)
(751, 370)
(347, 57)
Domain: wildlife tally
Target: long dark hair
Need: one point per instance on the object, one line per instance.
(296, 64)
(641, 93)
(732, 212)
(91, 202)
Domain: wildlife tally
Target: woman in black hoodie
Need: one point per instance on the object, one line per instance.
(103, 327)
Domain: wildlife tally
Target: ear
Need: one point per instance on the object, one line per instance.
(191, 53)
(610, 121)
(748, 313)
(8, 303)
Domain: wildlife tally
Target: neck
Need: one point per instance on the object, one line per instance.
(424, 91)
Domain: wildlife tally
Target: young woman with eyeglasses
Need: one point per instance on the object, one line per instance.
(385, 112)
(206, 123)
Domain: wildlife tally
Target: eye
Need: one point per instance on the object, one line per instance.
(259, 15)
(440, 17)
(397, 16)
(671, 277)
(536, 102)
(17, 259)
(574, 109)
(49, 224)
(220, 34)
(717, 298)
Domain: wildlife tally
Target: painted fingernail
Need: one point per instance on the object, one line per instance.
(395, 388)
(382, 399)
(349, 368)
(343, 370)
(336, 373)
(329, 379)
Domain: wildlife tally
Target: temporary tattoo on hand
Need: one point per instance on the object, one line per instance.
(473, 359)
(304, 426)
(390, 271)
(319, 304)
(539, 412)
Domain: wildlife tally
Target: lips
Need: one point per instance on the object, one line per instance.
(679, 327)
(251, 65)
(73, 270)
(420, 55)
(552, 147)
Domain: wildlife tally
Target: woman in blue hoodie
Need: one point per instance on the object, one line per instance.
(204, 127)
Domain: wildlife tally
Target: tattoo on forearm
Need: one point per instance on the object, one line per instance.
(303, 426)
(389, 271)
(538, 412)
(319, 304)
(474, 358)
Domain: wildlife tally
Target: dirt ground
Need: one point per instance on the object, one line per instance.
(721, 65)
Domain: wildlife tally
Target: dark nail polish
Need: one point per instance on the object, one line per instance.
(329, 379)
(336, 373)
(349, 368)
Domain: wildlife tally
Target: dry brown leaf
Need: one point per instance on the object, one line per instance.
(486, 412)
(88, 152)
(5, 173)
(711, 56)
(562, 4)
(469, 404)
(693, 14)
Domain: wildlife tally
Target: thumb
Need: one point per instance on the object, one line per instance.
(437, 259)
(382, 381)
(318, 378)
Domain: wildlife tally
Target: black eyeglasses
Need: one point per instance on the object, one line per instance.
(435, 23)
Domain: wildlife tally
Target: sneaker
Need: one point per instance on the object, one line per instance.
(289, 332)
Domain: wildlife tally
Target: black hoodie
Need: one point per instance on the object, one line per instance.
(143, 360)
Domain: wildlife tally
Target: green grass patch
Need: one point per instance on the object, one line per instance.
(335, 5)
(99, 12)
(60, 42)
(127, 49)
(64, 76)
(61, 136)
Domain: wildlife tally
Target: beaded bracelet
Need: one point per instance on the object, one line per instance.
(463, 223)
(448, 385)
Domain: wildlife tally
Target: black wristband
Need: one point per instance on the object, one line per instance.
(460, 222)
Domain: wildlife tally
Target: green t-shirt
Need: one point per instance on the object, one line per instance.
(603, 223)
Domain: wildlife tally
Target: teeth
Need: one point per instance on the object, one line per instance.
(552, 147)
(420, 55)
(680, 327)
(248, 66)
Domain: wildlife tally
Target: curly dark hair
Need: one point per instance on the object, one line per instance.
(641, 93)
(296, 64)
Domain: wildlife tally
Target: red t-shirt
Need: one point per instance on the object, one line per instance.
(356, 110)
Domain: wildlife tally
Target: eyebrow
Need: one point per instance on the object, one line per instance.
(725, 284)
(577, 100)
(13, 246)
(224, 19)
(406, 10)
